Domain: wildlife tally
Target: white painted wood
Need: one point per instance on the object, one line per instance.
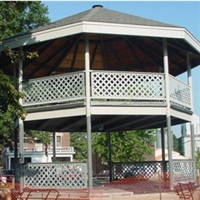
(56, 114)
(102, 28)
(21, 123)
(180, 115)
(41, 36)
(189, 75)
(115, 110)
(168, 115)
(88, 113)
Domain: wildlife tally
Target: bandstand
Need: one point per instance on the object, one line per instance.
(103, 70)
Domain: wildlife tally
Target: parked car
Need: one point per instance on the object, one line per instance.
(103, 175)
(71, 173)
(137, 172)
(7, 177)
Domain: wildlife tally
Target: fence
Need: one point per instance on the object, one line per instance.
(56, 175)
(129, 87)
(131, 181)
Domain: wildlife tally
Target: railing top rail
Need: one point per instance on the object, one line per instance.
(178, 80)
(54, 76)
(126, 72)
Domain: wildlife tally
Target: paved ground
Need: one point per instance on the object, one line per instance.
(126, 189)
(152, 189)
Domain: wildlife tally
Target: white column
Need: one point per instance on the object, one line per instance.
(21, 124)
(192, 136)
(168, 115)
(88, 111)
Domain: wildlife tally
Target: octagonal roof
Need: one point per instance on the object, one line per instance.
(118, 41)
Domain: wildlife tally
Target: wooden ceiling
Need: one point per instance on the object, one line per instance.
(107, 52)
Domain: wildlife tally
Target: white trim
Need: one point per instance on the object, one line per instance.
(55, 114)
(191, 40)
(141, 30)
(101, 110)
(102, 28)
(134, 30)
(41, 36)
(181, 115)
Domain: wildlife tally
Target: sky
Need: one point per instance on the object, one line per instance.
(180, 13)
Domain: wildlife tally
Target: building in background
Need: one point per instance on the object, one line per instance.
(34, 152)
(157, 155)
(185, 139)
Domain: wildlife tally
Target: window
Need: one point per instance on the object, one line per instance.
(59, 141)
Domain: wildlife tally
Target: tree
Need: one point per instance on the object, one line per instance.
(15, 17)
(198, 163)
(175, 143)
(127, 146)
(10, 109)
(79, 142)
(21, 16)
(198, 158)
(43, 136)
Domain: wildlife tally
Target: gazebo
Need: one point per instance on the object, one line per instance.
(103, 70)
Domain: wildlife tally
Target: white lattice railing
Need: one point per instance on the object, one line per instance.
(180, 93)
(106, 85)
(184, 171)
(62, 149)
(56, 175)
(54, 89)
(123, 85)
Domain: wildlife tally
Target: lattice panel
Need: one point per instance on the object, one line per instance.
(127, 85)
(136, 170)
(180, 92)
(54, 89)
(184, 171)
(57, 175)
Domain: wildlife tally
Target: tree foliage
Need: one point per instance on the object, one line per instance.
(16, 17)
(43, 136)
(175, 143)
(9, 97)
(79, 142)
(21, 16)
(10, 108)
(198, 159)
(127, 146)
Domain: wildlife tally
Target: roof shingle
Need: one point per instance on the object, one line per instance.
(100, 14)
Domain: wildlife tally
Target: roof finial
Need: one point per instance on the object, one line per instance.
(99, 6)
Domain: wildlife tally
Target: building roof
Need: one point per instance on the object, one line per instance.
(118, 41)
(175, 155)
(100, 14)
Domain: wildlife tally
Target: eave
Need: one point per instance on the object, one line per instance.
(101, 28)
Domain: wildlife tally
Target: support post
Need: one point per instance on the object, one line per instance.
(21, 126)
(168, 115)
(88, 113)
(189, 76)
(109, 155)
(16, 162)
(54, 146)
(164, 166)
(192, 134)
